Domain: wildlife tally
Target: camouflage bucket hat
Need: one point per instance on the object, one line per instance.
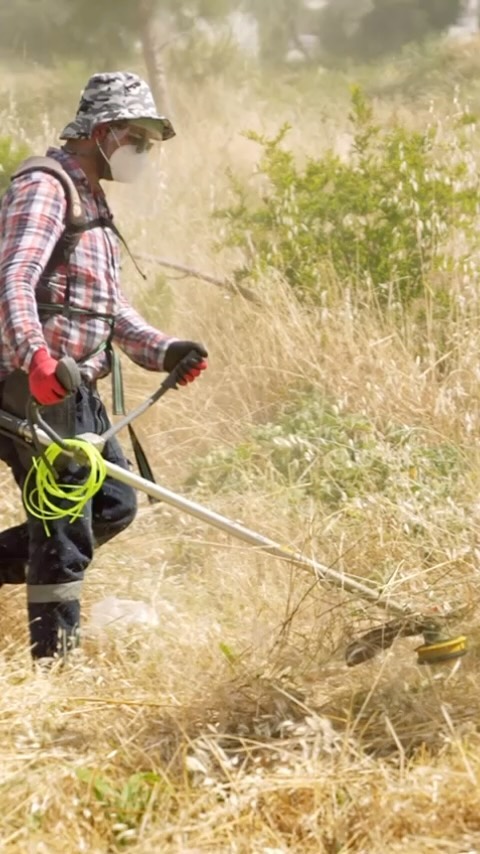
(117, 96)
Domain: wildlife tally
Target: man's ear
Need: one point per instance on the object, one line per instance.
(100, 133)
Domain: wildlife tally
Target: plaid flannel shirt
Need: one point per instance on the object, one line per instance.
(32, 219)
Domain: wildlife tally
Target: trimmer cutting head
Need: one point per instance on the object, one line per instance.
(435, 649)
(446, 649)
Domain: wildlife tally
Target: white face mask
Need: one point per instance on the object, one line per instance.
(126, 163)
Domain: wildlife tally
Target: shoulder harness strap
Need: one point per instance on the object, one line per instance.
(75, 220)
(75, 217)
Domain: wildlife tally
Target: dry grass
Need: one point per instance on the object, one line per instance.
(233, 725)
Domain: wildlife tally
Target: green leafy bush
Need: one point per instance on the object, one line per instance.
(382, 219)
(11, 155)
(315, 449)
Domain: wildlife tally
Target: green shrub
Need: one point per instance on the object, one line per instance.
(317, 450)
(382, 220)
(11, 155)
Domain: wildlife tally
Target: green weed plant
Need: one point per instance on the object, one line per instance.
(11, 155)
(383, 218)
(124, 803)
(315, 449)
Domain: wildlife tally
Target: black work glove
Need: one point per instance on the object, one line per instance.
(192, 366)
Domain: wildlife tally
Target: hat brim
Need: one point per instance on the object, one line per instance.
(159, 128)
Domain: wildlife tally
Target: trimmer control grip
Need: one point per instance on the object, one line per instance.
(68, 373)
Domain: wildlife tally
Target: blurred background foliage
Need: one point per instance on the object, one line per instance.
(203, 40)
(320, 30)
(46, 30)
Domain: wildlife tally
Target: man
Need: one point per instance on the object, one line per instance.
(74, 307)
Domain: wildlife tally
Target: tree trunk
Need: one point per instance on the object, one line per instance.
(468, 20)
(152, 55)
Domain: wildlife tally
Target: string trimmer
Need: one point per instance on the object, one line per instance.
(438, 645)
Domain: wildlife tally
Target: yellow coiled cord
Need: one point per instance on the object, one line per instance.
(42, 500)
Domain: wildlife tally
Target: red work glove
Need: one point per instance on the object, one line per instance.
(193, 366)
(43, 383)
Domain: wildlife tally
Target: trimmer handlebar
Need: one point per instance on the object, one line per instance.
(170, 381)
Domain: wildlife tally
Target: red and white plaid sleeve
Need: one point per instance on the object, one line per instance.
(32, 222)
(142, 343)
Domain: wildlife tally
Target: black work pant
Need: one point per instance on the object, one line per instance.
(53, 566)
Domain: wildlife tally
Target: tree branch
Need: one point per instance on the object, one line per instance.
(226, 284)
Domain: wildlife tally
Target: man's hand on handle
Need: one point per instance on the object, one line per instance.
(42, 380)
(193, 366)
(46, 388)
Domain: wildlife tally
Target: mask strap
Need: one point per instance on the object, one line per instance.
(102, 152)
(112, 131)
